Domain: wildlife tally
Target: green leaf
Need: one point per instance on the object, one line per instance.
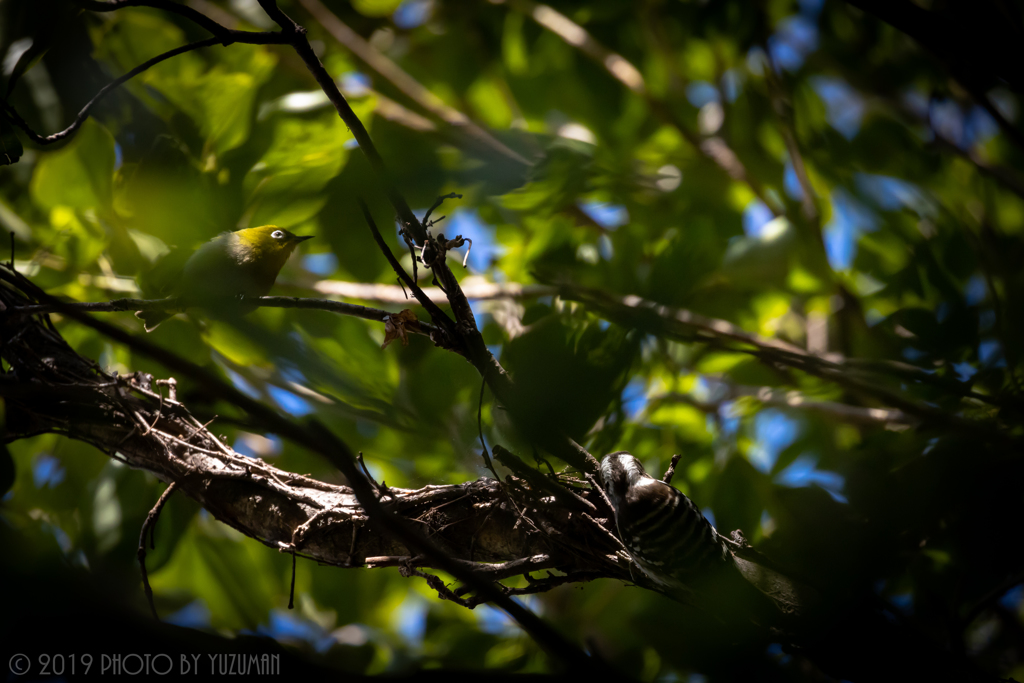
(79, 175)
(235, 578)
(304, 155)
(220, 101)
(375, 8)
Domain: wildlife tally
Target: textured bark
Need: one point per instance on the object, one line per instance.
(51, 388)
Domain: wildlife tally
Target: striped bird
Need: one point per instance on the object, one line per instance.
(664, 532)
(677, 548)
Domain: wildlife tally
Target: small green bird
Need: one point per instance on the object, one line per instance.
(232, 264)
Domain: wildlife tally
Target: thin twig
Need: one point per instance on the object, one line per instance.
(671, 471)
(224, 38)
(117, 305)
(596, 485)
(480, 430)
(605, 532)
(435, 582)
(438, 202)
(1008, 128)
(291, 590)
(793, 399)
(172, 388)
(784, 111)
(1004, 175)
(156, 419)
(439, 317)
(381, 488)
(541, 483)
(297, 39)
(464, 329)
(543, 585)
(299, 535)
(166, 5)
(150, 525)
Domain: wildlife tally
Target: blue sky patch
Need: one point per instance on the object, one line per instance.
(47, 471)
(774, 431)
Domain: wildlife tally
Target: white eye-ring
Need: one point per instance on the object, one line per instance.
(277, 234)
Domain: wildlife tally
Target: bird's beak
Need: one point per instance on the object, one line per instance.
(302, 238)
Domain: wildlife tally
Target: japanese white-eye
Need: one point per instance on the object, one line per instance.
(232, 264)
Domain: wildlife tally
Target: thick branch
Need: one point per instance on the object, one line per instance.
(472, 523)
(35, 335)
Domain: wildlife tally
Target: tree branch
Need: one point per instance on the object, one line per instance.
(476, 351)
(784, 111)
(110, 423)
(465, 330)
(296, 37)
(975, 60)
(793, 399)
(475, 289)
(117, 305)
(405, 83)
(165, 5)
(633, 311)
(224, 37)
(714, 148)
(439, 317)
(833, 365)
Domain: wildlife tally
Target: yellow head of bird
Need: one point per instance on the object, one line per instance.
(268, 247)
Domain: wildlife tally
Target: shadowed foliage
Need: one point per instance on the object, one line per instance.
(781, 239)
